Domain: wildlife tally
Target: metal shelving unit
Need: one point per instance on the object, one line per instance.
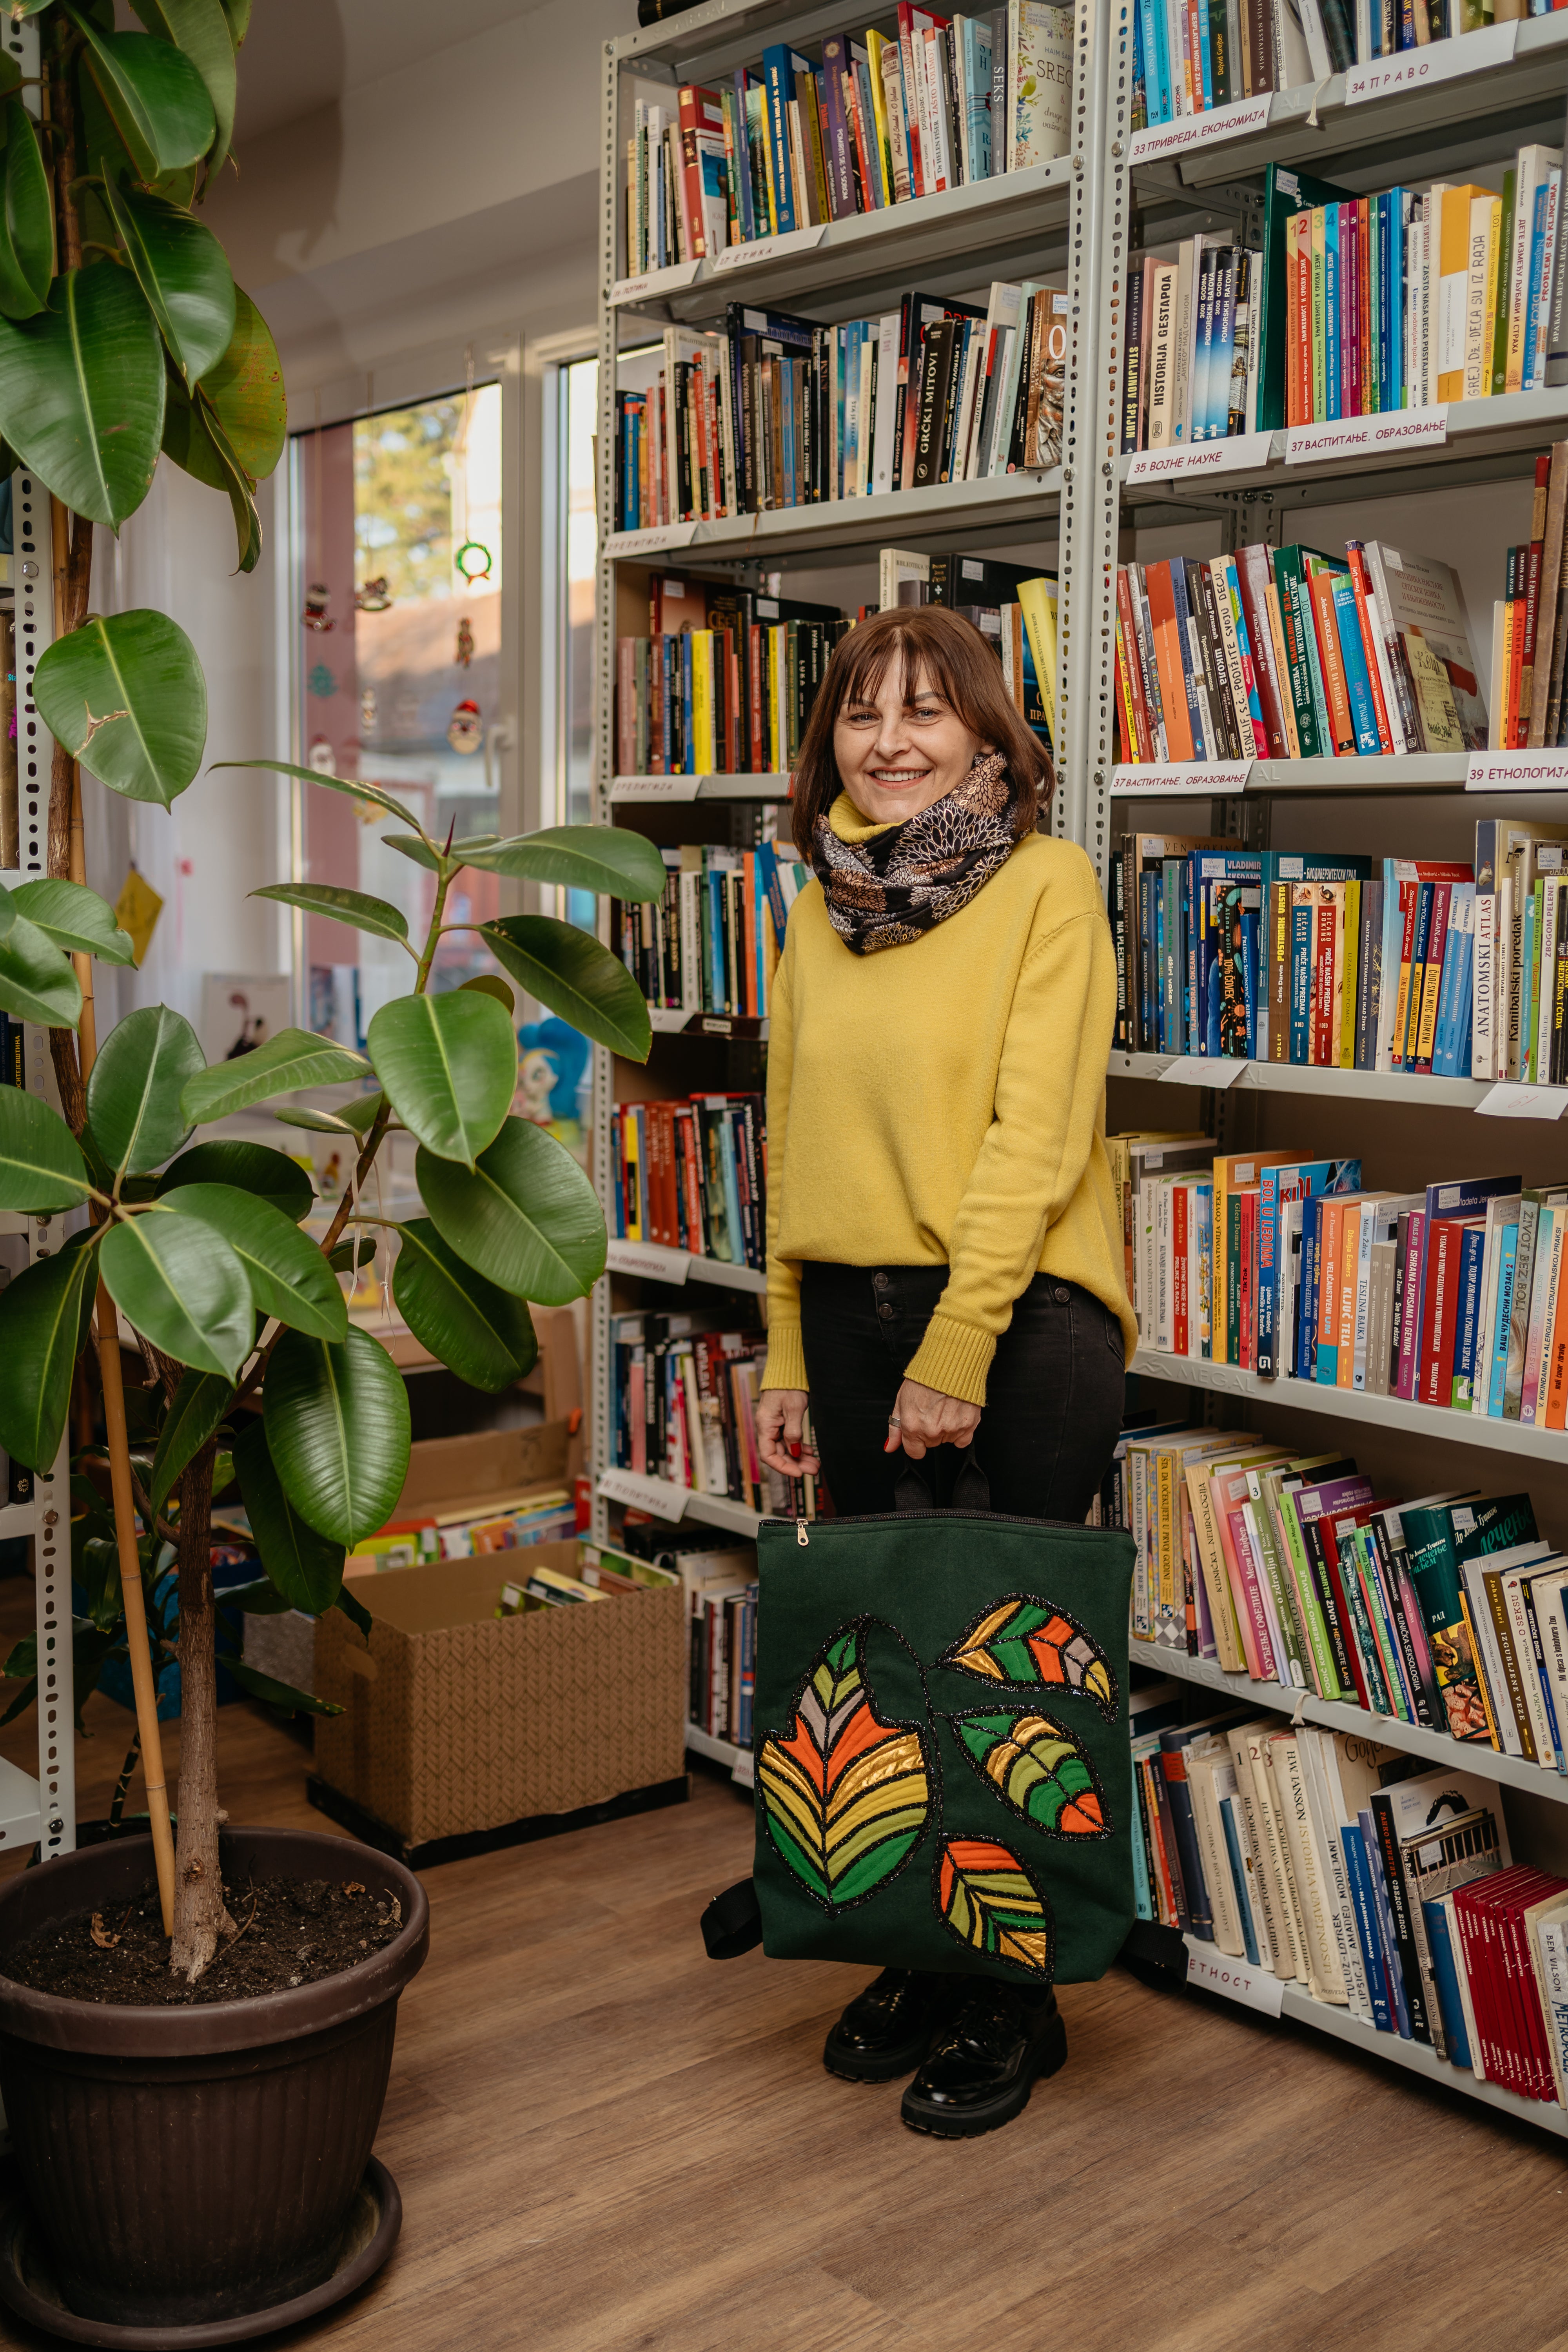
(1298, 1078)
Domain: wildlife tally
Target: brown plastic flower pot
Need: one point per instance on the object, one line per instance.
(190, 2165)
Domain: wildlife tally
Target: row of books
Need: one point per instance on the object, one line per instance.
(731, 697)
(602, 1574)
(1529, 622)
(775, 410)
(721, 1591)
(713, 942)
(868, 123)
(1335, 1863)
(683, 1408)
(693, 1176)
(1287, 653)
(534, 1519)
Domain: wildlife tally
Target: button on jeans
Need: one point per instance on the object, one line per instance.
(1053, 1398)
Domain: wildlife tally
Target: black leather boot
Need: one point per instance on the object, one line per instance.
(998, 2043)
(886, 2029)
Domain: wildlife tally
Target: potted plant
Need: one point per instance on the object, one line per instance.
(121, 335)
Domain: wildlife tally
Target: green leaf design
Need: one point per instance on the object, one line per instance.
(127, 697)
(449, 1067)
(569, 970)
(245, 392)
(352, 907)
(41, 1166)
(370, 792)
(527, 1218)
(338, 1431)
(28, 227)
(36, 983)
(288, 1276)
(1023, 1639)
(846, 1796)
(72, 916)
(183, 272)
(200, 1403)
(183, 1288)
(1039, 1769)
(290, 1060)
(482, 1334)
(155, 97)
(601, 857)
(201, 29)
(306, 1567)
(253, 1167)
(43, 1317)
(133, 1093)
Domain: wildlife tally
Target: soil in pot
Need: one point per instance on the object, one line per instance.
(292, 1932)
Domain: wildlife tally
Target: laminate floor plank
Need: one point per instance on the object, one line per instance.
(606, 2143)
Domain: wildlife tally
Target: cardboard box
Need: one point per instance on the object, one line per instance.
(456, 1722)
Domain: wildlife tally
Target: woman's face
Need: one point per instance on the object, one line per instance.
(896, 757)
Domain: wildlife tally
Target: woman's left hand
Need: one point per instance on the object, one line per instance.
(923, 1417)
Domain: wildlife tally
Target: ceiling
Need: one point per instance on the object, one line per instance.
(301, 55)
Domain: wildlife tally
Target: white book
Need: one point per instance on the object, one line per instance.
(1550, 1600)
(1325, 1978)
(1466, 2004)
(1546, 951)
(887, 378)
(1391, 672)
(1320, 64)
(1291, 1963)
(1203, 1758)
(1471, 1573)
(1541, 294)
(1254, 333)
(1550, 1955)
(1273, 1943)
(1231, 1814)
(1322, 1806)
(963, 425)
(1518, 1615)
(1002, 314)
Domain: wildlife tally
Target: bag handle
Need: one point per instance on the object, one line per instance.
(971, 1490)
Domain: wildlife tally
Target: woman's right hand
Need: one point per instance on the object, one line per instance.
(781, 1422)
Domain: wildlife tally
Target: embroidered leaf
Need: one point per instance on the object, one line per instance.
(1039, 1769)
(1023, 1640)
(988, 1901)
(846, 1796)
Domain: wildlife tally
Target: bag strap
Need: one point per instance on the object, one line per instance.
(1156, 1955)
(732, 1923)
(971, 1490)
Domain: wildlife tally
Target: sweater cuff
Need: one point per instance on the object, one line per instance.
(786, 1366)
(953, 1358)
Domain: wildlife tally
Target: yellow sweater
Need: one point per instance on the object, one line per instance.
(945, 1102)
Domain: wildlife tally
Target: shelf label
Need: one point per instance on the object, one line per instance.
(1185, 777)
(1517, 772)
(770, 248)
(655, 1494)
(1367, 437)
(1242, 114)
(1513, 1101)
(1226, 456)
(624, 544)
(653, 283)
(1438, 61)
(1215, 1971)
(649, 1258)
(1203, 1070)
(655, 788)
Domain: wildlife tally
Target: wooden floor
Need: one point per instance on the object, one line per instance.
(604, 2141)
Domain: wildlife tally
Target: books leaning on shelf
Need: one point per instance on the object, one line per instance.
(723, 1591)
(779, 411)
(683, 1408)
(724, 682)
(873, 121)
(1289, 653)
(534, 1519)
(713, 942)
(602, 1574)
(1529, 622)
(1013, 605)
(693, 1176)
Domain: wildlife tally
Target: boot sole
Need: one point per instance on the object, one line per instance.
(940, 2124)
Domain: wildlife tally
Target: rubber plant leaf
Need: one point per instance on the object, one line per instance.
(527, 1217)
(126, 697)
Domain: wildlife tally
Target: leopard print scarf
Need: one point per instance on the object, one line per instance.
(885, 892)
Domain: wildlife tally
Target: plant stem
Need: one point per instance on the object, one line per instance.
(200, 1918)
(122, 1786)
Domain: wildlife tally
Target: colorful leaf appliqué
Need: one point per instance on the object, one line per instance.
(845, 1795)
(1037, 1766)
(988, 1900)
(1022, 1640)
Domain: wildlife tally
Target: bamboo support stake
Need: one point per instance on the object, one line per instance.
(111, 1373)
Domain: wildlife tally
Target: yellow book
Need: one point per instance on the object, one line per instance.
(1038, 599)
(702, 761)
(775, 739)
(1453, 286)
(1352, 968)
(1480, 294)
(631, 1153)
(875, 44)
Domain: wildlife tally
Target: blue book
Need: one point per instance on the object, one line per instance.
(1366, 1927)
(1472, 1250)
(1331, 308)
(1508, 1255)
(780, 65)
(1227, 1811)
(1161, 63)
(1464, 1004)
(976, 38)
(1388, 336)
(1454, 988)
(1397, 204)
(1352, 653)
(1532, 285)
(745, 202)
(1467, 1197)
(1222, 354)
(1211, 870)
(1198, 397)
(1446, 1977)
(688, 735)
(1301, 983)
(732, 1190)
(1309, 1179)
(1383, 1913)
(1307, 1334)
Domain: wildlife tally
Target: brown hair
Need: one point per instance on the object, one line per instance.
(964, 670)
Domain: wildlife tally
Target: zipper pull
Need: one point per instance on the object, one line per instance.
(800, 1535)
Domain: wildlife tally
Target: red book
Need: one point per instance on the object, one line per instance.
(1180, 1205)
(1168, 659)
(1532, 602)
(1361, 581)
(1424, 1009)
(1142, 750)
(1252, 575)
(1247, 1204)
(1440, 1308)
(701, 118)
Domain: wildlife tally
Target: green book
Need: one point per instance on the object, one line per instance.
(1286, 192)
(1308, 1607)
(1428, 1530)
(1290, 565)
(1505, 248)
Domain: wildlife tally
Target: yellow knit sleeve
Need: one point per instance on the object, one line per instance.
(786, 1366)
(1050, 1088)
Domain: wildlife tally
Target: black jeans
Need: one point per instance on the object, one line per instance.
(1053, 1397)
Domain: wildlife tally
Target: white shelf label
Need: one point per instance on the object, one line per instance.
(1438, 61)
(1226, 456)
(653, 283)
(649, 1258)
(622, 544)
(1360, 436)
(770, 248)
(655, 788)
(1203, 1070)
(1214, 777)
(1215, 1971)
(655, 1494)
(1510, 1101)
(1517, 772)
(1242, 114)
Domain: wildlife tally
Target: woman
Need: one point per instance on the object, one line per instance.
(944, 1242)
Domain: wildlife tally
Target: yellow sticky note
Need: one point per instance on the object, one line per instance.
(136, 910)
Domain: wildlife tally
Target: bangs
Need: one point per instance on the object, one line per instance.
(870, 654)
